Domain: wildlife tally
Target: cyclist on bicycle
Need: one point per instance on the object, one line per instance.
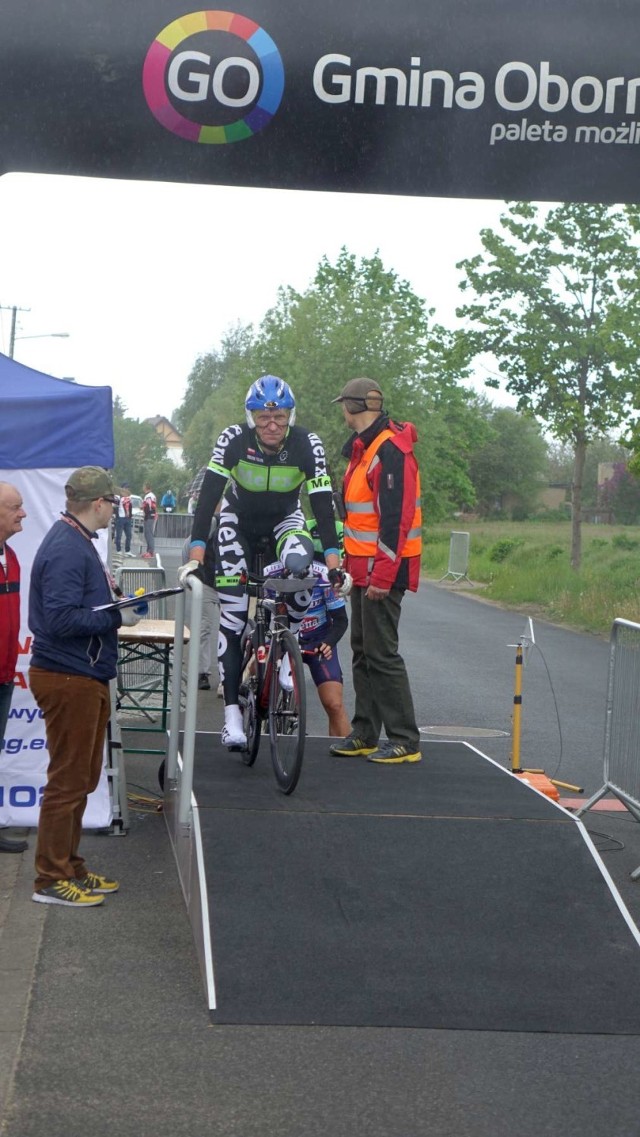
(323, 626)
(256, 473)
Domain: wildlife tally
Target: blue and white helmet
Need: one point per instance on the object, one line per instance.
(269, 393)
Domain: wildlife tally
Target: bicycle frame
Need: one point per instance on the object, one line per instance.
(265, 699)
(264, 631)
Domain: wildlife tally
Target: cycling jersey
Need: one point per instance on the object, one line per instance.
(317, 620)
(262, 487)
(324, 621)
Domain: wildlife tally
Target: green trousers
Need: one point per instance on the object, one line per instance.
(380, 680)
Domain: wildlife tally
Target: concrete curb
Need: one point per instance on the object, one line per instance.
(21, 930)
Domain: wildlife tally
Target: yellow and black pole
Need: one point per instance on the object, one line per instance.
(536, 778)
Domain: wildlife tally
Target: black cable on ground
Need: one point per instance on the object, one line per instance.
(555, 703)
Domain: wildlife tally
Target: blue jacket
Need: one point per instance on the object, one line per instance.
(67, 581)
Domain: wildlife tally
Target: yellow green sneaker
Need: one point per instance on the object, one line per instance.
(96, 883)
(68, 892)
(352, 746)
(392, 754)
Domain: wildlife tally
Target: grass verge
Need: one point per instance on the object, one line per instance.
(527, 564)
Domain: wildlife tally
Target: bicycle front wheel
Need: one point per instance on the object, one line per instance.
(287, 710)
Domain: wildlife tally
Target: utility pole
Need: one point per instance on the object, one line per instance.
(13, 308)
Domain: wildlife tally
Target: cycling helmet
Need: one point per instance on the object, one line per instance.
(267, 394)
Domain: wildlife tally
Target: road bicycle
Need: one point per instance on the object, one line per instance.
(272, 683)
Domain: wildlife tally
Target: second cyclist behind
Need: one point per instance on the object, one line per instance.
(323, 626)
(256, 473)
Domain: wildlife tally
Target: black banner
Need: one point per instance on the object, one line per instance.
(509, 99)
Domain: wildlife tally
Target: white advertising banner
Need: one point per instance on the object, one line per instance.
(23, 752)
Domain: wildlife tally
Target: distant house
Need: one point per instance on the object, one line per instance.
(170, 436)
(555, 495)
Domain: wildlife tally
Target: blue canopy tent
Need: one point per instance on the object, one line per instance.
(47, 423)
(48, 427)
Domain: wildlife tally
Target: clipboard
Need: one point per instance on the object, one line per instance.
(131, 601)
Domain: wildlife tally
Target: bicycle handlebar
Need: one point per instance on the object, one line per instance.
(281, 584)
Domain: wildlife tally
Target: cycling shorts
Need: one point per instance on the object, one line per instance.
(322, 670)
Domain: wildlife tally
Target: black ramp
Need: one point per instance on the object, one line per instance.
(396, 900)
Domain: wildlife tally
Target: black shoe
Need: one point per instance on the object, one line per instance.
(203, 682)
(8, 846)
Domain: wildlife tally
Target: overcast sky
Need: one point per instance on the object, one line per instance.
(144, 276)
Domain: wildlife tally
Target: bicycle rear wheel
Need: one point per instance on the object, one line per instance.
(287, 711)
(249, 705)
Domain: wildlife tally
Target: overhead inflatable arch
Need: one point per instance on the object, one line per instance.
(517, 99)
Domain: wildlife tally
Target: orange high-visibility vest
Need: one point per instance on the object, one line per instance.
(361, 526)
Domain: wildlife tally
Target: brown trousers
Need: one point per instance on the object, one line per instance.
(76, 712)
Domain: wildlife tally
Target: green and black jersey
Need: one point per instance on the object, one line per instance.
(263, 487)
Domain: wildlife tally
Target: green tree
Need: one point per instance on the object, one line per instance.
(215, 394)
(560, 465)
(621, 494)
(559, 309)
(163, 475)
(510, 463)
(359, 318)
(138, 448)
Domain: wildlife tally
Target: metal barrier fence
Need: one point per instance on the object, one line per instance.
(458, 557)
(621, 773)
(175, 526)
(151, 579)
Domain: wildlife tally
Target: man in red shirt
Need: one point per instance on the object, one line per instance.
(11, 517)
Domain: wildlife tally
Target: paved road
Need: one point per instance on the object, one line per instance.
(462, 671)
(115, 1037)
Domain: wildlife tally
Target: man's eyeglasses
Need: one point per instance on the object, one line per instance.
(108, 497)
(281, 418)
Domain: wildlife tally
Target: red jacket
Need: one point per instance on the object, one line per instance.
(394, 482)
(9, 616)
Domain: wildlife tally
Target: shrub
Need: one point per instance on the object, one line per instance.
(502, 549)
(622, 541)
(553, 515)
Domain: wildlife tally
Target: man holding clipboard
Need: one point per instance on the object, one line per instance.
(74, 656)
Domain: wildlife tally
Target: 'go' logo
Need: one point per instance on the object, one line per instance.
(207, 87)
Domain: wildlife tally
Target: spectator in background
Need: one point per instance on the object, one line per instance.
(168, 501)
(123, 510)
(150, 512)
(11, 517)
(73, 658)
